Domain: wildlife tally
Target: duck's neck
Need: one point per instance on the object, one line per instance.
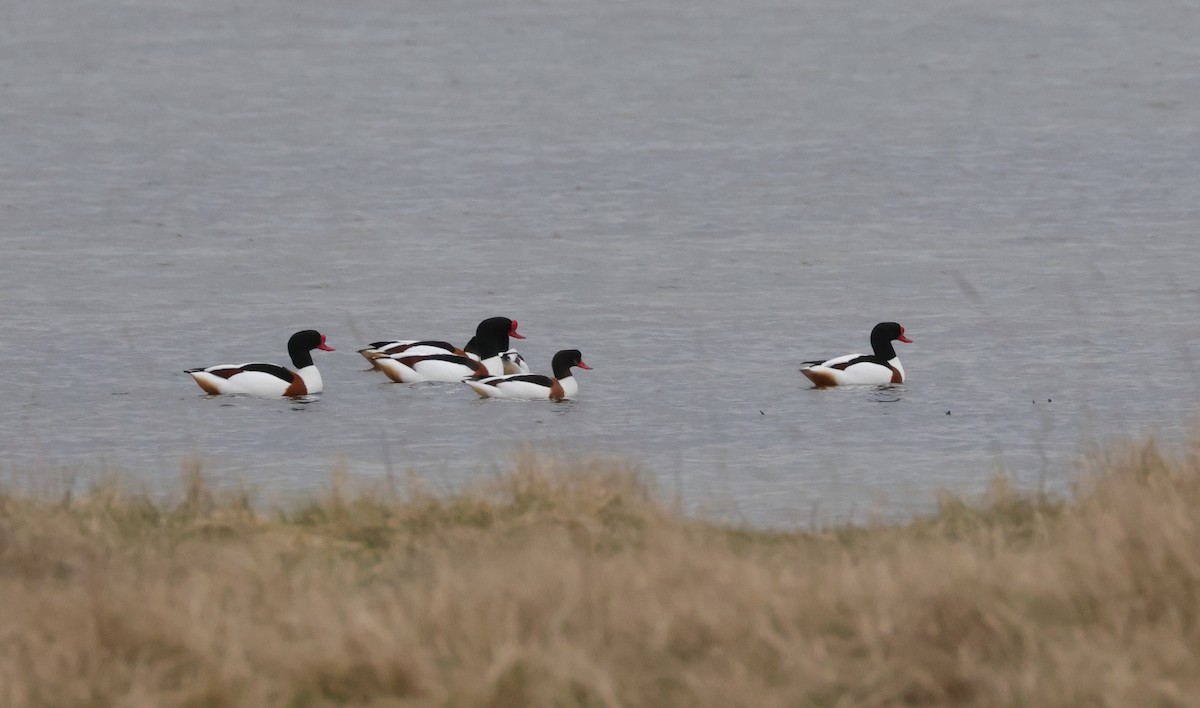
(487, 347)
(883, 348)
(301, 357)
(303, 363)
(570, 385)
(311, 377)
(494, 365)
(561, 370)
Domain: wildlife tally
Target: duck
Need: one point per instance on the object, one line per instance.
(405, 368)
(490, 340)
(881, 367)
(535, 386)
(259, 379)
(491, 331)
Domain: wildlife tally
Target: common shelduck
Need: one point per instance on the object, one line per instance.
(882, 366)
(490, 340)
(535, 386)
(428, 367)
(491, 335)
(258, 379)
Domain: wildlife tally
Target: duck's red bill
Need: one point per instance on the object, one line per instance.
(514, 333)
(584, 366)
(903, 338)
(323, 346)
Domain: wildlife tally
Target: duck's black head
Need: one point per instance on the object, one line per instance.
(564, 360)
(888, 331)
(302, 343)
(882, 337)
(491, 336)
(499, 325)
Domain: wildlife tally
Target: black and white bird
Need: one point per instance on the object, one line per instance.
(535, 386)
(259, 379)
(489, 345)
(881, 366)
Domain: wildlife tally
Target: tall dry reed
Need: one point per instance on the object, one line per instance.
(571, 585)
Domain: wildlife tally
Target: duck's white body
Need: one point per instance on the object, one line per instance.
(529, 387)
(495, 365)
(231, 379)
(402, 368)
(840, 372)
(259, 379)
(881, 367)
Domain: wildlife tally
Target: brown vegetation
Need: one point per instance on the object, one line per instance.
(570, 585)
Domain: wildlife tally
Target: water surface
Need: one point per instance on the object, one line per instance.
(697, 195)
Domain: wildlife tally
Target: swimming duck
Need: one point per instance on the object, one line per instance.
(490, 340)
(882, 366)
(535, 386)
(491, 335)
(258, 379)
(403, 368)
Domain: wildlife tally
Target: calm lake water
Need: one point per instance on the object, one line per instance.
(697, 195)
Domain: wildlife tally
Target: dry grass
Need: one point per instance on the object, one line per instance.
(570, 585)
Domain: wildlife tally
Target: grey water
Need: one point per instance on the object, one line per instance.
(698, 195)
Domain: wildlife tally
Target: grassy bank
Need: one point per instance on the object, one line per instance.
(570, 585)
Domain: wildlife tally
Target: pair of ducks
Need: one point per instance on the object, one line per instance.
(486, 364)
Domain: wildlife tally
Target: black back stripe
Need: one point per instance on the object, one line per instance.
(452, 358)
(867, 359)
(539, 379)
(433, 343)
(273, 369)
